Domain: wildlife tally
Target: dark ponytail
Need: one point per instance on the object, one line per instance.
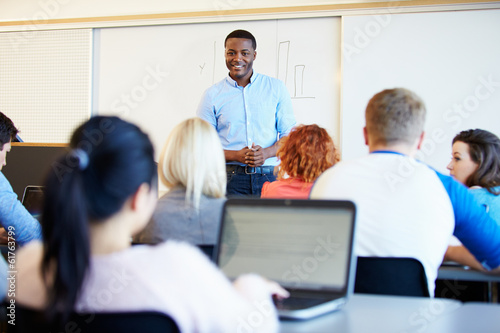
(108, 161)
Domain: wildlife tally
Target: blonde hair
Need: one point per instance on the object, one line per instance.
(193, 157)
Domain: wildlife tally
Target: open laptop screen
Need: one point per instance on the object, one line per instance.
(297, 243)
(33, 199)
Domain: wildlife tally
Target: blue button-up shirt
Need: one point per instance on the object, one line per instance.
(259, 113)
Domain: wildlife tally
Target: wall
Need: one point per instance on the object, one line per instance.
(30, 15)
(451, 61)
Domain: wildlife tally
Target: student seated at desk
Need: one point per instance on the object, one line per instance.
(405, 208)
(304, 154)
(192, 166)
(86, 264)
(17, 223)
(16, 220)
(475, 163)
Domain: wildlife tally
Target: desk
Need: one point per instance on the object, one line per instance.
(471, 317)
(373, 313)
(459, 273)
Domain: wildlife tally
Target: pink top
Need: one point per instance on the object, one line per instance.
(174, 278)
(291, 188)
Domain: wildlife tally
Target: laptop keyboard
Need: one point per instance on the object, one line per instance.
(295, 303)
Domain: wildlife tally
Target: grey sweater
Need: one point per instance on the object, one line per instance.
(175, 219)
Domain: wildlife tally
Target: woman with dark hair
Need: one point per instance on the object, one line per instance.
(304, 154)
(96, 197)
(475, 163)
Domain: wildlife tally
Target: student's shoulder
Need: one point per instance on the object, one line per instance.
(451, 185)
(29, 255)
(4, 183)
(171, 250)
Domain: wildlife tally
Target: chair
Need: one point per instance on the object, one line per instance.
(208, 250)
(391, 276)
(29, 320)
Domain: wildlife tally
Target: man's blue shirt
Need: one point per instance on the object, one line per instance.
(259, 113)
(13, 214)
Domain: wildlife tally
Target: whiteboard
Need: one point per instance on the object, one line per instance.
(450, 59)
(155, 76)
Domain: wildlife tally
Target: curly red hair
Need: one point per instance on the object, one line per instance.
(306, 152)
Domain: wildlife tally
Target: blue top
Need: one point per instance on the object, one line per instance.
(13, 214)
(489, 201)
(476, 230)
(259, 113)
(472, 227)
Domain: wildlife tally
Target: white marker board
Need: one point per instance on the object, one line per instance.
(156, 75)
(450, 59)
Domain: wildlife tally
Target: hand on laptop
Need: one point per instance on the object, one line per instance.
(276, 290)
(250, 285)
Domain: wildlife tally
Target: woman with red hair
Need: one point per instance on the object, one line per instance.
(304, 154)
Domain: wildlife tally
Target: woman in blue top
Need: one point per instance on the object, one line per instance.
(476, 163)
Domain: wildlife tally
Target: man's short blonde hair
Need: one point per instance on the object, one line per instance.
(193, 157)
(395, 116)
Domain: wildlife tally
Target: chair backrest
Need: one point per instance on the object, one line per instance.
(29, 320)
(391, 276)
(208, 250)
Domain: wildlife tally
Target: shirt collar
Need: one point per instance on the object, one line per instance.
(235, 84)
(387, 152)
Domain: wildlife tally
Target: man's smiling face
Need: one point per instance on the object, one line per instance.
(240, 55)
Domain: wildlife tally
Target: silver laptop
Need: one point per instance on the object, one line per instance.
(304, 245)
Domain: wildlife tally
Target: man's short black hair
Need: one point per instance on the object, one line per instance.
(7, 130)
(242, 34)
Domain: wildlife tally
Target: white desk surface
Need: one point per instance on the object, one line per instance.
(373, 313)
(470, 317)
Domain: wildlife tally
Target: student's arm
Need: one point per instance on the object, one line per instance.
(217, 305)
(477, 231)
(14, 217)
(461, 255)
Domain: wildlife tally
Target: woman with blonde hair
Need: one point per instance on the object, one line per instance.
(304, 155)
(192, 166)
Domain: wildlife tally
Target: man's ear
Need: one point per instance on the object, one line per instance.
(421, 139)
(365, 135)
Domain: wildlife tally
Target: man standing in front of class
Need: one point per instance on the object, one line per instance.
(250, 112)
